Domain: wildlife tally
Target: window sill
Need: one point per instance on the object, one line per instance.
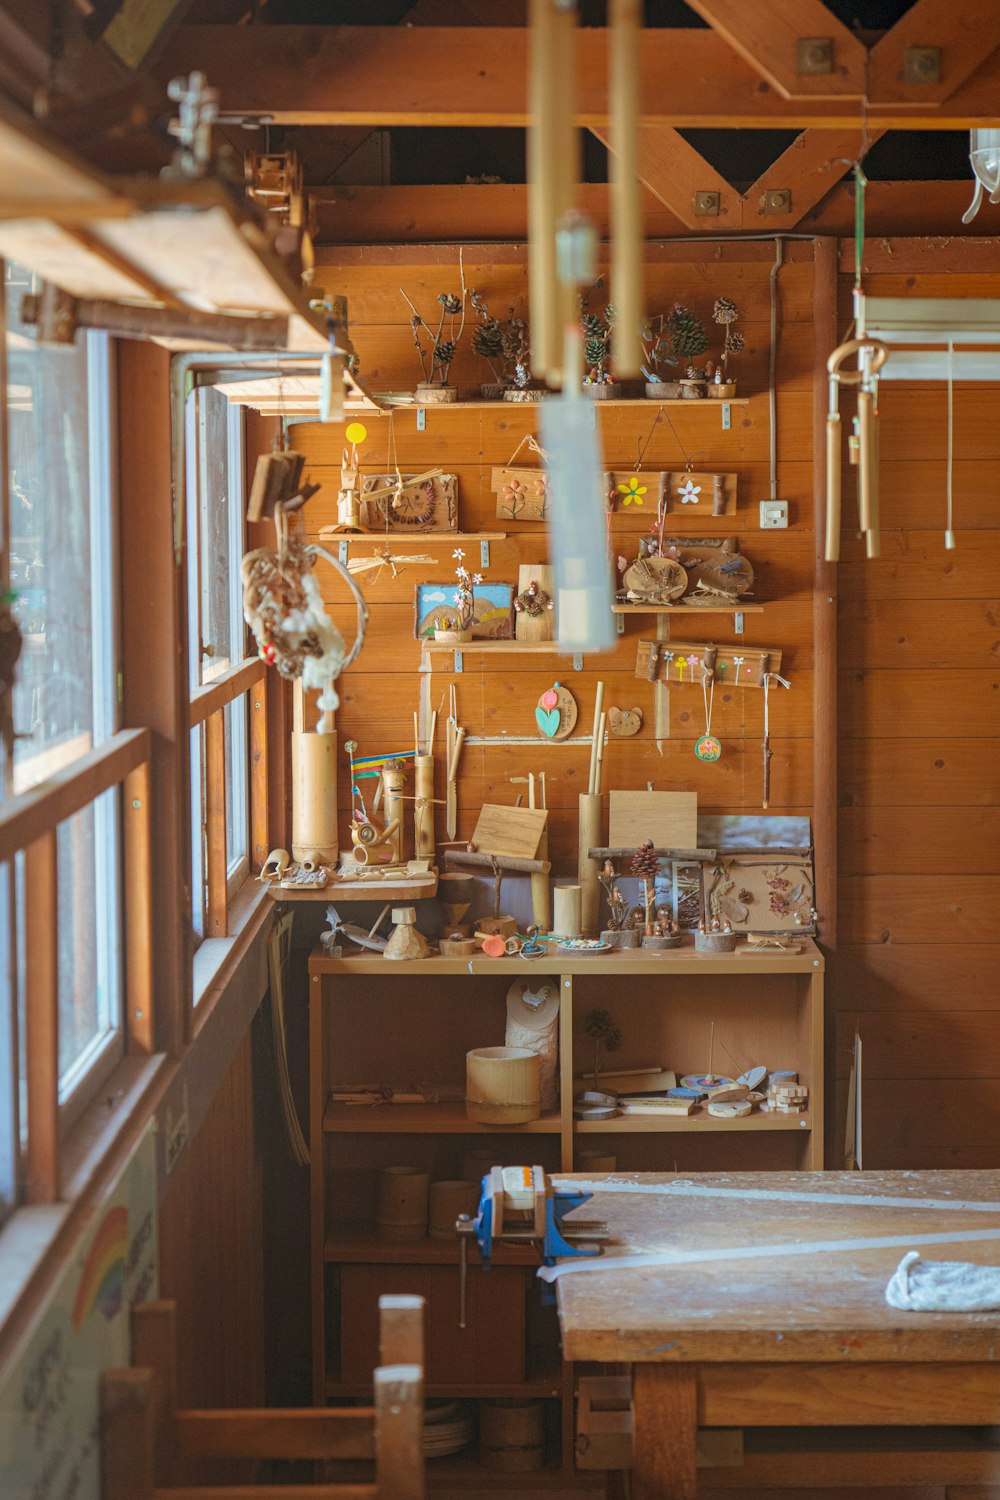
(249, 912)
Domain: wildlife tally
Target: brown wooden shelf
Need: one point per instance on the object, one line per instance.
(360, 890)
(700, 1122)
(549, 1387)
(407, 538)
(683, 960)
(448, 1118)
(360, 1244)
(687, 609)
(491, 648)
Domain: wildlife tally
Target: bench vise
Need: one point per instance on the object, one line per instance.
(519, 1205)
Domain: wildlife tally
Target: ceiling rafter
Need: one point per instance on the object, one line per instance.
(444, 75)
(674, 172)
(966, 32)
(766, 34)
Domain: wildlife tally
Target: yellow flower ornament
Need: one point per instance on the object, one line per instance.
(632, 491)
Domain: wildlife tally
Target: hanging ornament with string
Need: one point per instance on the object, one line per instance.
(709, 747)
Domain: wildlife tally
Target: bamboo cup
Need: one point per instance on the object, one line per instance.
(314, 795)
(423, 806)
(566, 921)
(502, 1085)
(512, 1434)
(402, 1203)
(587, 868)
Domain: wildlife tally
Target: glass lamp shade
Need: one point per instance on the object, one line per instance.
(984, 156)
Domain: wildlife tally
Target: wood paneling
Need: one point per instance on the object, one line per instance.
(497, 694)
(211, 1251)
(920, 772)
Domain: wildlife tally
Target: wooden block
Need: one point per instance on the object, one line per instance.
(515, 831)
(670, 819)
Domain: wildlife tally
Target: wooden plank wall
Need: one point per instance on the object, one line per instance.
(211, 1250)
(498, 695)
(920, 770)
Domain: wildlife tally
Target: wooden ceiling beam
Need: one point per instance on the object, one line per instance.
(767, 33)
(963, 32)
(441, 75)
(802, 176)
(679, 177)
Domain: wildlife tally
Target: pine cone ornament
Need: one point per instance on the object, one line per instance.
(444, 352)
(487, 340)
(725, 310)
(645, 861)
(595, 351)
(687, 333)
(450, 302)
(735, 342)
(592, 326)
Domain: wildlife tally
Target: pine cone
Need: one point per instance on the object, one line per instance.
(487, 340)
(735, 343)
(645, 861)
(725, 310)
(450, 302)
(592, 326)
(444, 352)
(687, 333)
(595, 351)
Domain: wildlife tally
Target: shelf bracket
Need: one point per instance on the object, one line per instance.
(577, 661)
(484, 554)
(620, 624)
(421, 418)
(727, 416)
(738, 622)
(459, 662)
(342, 551)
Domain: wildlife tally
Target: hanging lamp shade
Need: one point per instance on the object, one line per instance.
(984, 155)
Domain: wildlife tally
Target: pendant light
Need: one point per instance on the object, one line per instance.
(984, 155)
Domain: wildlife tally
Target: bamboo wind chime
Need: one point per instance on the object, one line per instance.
(588, 871)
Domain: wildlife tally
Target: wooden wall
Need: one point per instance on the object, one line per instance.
(919, 767)
(211, 1250)
(498, 694)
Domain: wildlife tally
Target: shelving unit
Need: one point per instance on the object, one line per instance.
(371, 1018)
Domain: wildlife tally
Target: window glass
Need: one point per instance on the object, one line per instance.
(60, 549)
(89, 938)
(236, 791)
(8, 1047)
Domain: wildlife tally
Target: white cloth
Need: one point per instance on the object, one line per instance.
(943, 1286)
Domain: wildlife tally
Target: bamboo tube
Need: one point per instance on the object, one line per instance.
(865, 404)
(502, 1085)
(402, 1203)
(602, 728)
(457, 736)
(541, 898)
(566, 900)
(542, 207)
(598, 706)
(566, 152)
(314, 795)
(393, 779)
(833, 486)
(423, 806)
(873, 540)
(625, 18)
(587, 869)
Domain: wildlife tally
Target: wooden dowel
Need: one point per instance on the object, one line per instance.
(433, 730)
(216, 854)
(598, 705)
(41, 897)
(542, 209)
(138, 912)
(873, 541)
(625, 20)
(600, 753)
(258, 775)
(506, 862)
(696, 856)
(865, 460)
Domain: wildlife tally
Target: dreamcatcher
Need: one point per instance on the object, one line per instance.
(284, 609)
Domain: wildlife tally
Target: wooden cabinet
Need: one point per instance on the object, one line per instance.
(375, 1021)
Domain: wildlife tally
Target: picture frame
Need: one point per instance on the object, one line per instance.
(493, 612)
(429, 506)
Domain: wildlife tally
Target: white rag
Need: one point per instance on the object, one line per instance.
(943, 1286)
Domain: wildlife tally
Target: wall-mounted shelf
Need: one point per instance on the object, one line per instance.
(687, 609)
(647, 1125)
(502, 648)
(420, 889)
(407, 538)
(448, 1118)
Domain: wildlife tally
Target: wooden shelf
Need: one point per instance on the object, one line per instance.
(700, 1122)
(687, 609)
(461, 1471)
(492, 648)
(710, 403)
(360, 890)
(422, 1119)
(548, 1387)
(407, 538)
(361, 1245)
(683, 960)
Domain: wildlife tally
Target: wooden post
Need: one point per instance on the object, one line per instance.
(259, 845)
(216, 853)
(587, 871)
(825, 726)
(423, 806)
(126, 1420)
(399, 1422)
(401, 1330)
(624, 24)
(138, 913)
(41, 938)
(666, 1431)
(566, 1071)
(314, 787)
(154, 1348)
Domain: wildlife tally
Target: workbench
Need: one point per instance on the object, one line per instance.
(773, 1313)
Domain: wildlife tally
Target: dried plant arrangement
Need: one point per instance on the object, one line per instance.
(506, 347)
(646, 865)
(597, 329)
(436, 347)
(726, 313)
(604, 1033)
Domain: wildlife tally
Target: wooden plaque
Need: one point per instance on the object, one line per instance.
(522, 494)
(428, 506)
(670, 819)
(700, 495)
(513, 831)
(679, 663)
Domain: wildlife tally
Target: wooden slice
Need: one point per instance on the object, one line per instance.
(655, 580)
(556, 713)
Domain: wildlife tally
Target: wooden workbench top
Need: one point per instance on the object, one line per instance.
(683, 960)
(751, 1291)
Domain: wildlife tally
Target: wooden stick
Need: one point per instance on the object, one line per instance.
(433, 730)
(600, 753)
(504, 862)
(598, 706)
(624, 21)
(452, 778)
(416, 734)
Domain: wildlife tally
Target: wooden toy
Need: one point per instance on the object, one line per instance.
(405, 942)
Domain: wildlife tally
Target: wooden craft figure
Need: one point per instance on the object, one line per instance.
(624, 722)
(410, 502)
(533, 603)
(349, 498)
(618, 933)
(405, 942)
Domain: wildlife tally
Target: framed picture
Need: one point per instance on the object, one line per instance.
(493, 610)
(428, 506)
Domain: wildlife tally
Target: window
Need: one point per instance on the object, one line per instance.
(220, 720)
(59, 525)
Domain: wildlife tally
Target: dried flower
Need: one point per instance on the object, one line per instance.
(453, 304)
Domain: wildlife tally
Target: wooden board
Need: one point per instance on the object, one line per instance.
(682, 491)
(430, 506)
(680, 663)
(670, 819)
(522, 494)
(514, 831)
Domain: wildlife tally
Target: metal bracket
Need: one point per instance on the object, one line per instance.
(484, 554)
(421, 418)
(342, 551)
(922, 65)
(459, 662)
(777, 201)
(727, 416)
(577, 661)
(813, 55)
(738, 622)
(707, 205)
(620, 624)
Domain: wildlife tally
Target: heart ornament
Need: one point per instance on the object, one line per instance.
(548, 720)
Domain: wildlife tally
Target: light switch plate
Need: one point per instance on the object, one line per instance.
(773, 514)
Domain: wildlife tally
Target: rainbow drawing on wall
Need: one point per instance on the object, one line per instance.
(102, 1284)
